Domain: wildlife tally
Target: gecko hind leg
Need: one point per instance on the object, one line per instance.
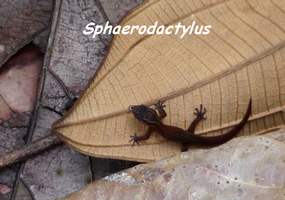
(200, 115)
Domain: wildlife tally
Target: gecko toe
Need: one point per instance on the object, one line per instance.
(200, 112)
(134, 139)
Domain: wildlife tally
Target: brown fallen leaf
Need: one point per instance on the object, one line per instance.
(18, 81)
(4, 189)
(242, 57)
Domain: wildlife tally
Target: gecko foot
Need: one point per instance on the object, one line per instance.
(200, 112)
(159, 105)
(134, 139)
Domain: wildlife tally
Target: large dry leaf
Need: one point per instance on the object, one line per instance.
(244, 168)
(243, 56)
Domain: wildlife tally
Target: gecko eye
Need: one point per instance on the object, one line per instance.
(131, 108)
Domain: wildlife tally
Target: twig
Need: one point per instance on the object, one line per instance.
(29, 150)
(52, 110)
(30, 131)
(33, 121)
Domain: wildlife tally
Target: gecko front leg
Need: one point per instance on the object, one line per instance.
(136, 139)
(159, 106)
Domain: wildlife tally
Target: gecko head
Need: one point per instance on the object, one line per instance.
(145, 114)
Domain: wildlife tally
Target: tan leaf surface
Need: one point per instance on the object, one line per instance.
(243, 56)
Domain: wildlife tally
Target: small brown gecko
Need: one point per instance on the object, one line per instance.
(153, 119)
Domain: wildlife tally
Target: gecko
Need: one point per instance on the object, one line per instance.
(152, 117)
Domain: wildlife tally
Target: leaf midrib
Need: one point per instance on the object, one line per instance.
(195, 86)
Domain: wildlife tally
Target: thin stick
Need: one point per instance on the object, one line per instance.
(29, 150)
